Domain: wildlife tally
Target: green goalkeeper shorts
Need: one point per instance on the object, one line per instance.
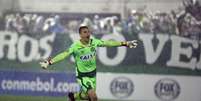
(87, 83)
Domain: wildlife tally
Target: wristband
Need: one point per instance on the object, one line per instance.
(49, 61)
(123, 43)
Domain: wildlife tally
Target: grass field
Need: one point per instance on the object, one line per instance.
(38, 98)
(69, 67)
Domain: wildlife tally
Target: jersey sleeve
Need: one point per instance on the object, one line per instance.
(61, 56)
(107, 43)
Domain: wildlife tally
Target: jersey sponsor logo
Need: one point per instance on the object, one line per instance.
(167, 89)
(121, 87)
(87, 57)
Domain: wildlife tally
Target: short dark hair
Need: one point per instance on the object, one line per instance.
(82, 27)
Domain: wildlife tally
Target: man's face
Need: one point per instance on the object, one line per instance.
(85, 33)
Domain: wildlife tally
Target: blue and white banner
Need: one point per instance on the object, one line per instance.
(37, 84)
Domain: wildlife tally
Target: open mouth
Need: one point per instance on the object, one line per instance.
(88, 36)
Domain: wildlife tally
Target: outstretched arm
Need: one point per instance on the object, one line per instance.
(57, 58)
(111, 43)
(60, 57)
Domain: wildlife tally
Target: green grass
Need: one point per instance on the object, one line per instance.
(69, 67)
(38, 98)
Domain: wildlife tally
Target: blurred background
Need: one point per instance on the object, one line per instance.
(166, 65)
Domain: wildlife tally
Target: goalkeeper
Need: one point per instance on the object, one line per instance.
(84, 52)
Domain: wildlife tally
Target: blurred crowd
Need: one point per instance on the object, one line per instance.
(39, 23)
(184, 21)
(32, 23)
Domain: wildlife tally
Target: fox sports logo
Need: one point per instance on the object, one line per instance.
(121, 87)
(167, 89)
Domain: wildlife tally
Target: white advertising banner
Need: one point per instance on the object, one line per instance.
(143, 87)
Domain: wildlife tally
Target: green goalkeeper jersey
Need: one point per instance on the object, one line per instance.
(84, 55)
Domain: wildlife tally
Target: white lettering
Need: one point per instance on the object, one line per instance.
(152, 55)
(178, 50)
(198, 65)
(44, 44)
(8, 39)
(39, 85)
(22, 47)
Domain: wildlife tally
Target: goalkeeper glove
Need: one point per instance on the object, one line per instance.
(45, 63)
(130, 44)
